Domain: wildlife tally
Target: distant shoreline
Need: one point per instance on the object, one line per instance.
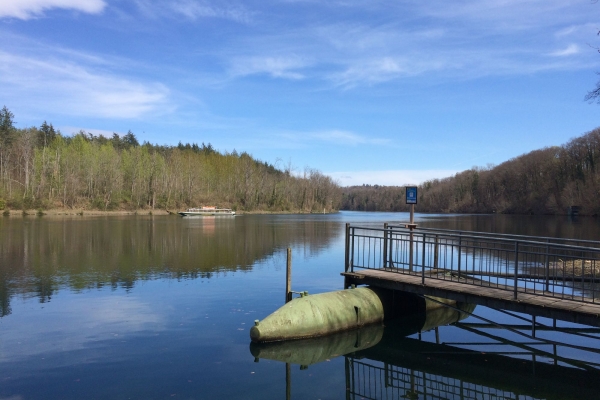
(86, 212)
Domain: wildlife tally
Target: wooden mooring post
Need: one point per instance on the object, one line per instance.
(288, 276)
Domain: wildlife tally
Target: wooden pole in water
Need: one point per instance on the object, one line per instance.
(288, 276)
(288, 381)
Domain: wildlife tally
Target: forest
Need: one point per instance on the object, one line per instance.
(40, 168)
(545, 181)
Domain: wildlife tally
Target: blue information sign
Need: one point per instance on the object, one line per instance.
(411, 195)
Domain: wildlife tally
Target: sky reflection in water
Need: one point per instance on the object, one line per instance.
(160, 307)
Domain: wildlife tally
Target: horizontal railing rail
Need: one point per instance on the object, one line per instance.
(551, 267)
(566, 241)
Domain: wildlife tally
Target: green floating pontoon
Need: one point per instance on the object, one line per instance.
(328, 313)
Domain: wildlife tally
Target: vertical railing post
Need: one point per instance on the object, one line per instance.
(436, 252)
(390, 251)
(347, 260)
(547, 265)
(516, 268)
(423, 261)
(410, 251)
(347, 256)
(459, 253)
(352, 240)
(385, 245)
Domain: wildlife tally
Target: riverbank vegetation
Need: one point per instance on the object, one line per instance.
(545, 181)
(40, 168)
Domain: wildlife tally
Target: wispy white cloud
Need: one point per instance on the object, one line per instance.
(333, 136)
(345, 138)
(277, 67)
(204, 9)
(195, 9)
(465, 41)
(384, 69)
(27, 9)
(388, 177)
(76, 89)
(568, 51)
(504, 15)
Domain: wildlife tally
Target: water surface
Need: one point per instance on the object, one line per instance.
(149, 307)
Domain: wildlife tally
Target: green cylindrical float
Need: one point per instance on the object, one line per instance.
(327, 313)
(320, 314)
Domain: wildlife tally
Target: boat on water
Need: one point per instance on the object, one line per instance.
(209, 211)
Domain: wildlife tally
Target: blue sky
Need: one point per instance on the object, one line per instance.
(366, 91)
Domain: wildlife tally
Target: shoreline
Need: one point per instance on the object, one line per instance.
(88, 212)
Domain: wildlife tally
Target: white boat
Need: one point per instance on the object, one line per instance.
(207, 211)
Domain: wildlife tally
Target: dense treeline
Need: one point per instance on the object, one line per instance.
(546, 181)
(41, 168)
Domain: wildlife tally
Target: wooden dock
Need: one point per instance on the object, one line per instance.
(549, 307)
(510, 273)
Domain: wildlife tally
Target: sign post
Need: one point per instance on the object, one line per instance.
(411, 198)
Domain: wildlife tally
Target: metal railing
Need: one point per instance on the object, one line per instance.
(551, 267)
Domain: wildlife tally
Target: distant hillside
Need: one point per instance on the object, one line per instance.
(41, 168)
(545, 181)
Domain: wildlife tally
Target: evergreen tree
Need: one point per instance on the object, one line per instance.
(6, 126)
(130, 140)
(46, 135)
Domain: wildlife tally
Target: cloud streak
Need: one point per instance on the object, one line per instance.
(345, 138)
(399, 177)
(28, 9)
(329, 137)
(568, 51)
(276, 66)
(78, 89)
(203, 9)
(465, 41)
(194, 10)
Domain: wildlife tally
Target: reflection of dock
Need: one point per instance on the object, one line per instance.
(411, 368)
(388, 381)
(538, 276)
(383, 363)
(402, 367)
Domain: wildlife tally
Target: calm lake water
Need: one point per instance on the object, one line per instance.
(148, 307)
